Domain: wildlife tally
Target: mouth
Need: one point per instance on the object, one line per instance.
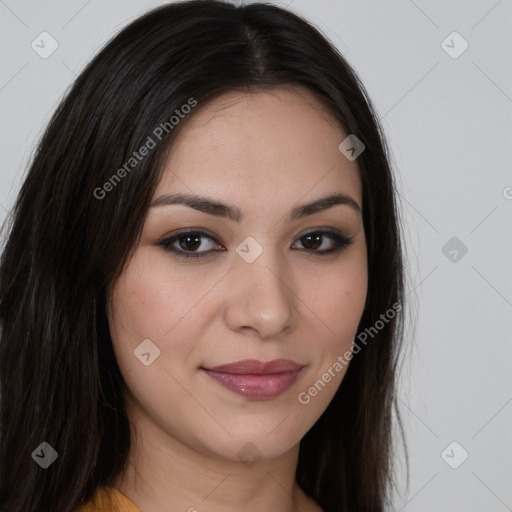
(255, 379)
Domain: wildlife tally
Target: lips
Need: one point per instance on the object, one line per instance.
(255, 367)
(256, 379)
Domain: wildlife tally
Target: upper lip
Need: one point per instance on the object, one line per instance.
(256, 367)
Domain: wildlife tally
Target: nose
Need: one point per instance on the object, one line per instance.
(260, 297)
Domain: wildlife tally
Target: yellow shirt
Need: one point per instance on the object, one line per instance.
(108, 499)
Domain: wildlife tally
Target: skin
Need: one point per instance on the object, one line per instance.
(265, 152)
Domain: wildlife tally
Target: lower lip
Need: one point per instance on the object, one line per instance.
(259, 387)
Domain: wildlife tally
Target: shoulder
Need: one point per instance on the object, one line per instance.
(108, 499)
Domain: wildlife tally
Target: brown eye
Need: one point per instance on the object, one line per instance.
(313, 240)
(187, 244)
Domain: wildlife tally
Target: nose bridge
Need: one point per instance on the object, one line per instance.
(260, 297)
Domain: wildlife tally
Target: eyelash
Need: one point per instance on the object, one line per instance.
(341, 242)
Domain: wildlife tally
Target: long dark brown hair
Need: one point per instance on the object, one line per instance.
(68, 241)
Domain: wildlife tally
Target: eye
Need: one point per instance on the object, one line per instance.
(186, 244)
(320, 238)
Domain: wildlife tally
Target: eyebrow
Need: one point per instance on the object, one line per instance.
(232, 212)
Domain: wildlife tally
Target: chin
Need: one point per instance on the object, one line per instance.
(254, 444)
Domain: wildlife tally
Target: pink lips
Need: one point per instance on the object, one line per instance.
(256, 379)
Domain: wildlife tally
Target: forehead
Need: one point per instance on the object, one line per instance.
(276, 143)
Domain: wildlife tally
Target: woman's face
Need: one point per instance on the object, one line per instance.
(260, 288)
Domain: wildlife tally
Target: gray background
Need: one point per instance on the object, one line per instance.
(448, 121)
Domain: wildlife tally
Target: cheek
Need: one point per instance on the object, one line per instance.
(339, 299)
(150, 300)
(339, 304)
(153, 302)
(148, 303)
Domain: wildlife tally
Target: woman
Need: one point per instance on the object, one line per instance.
(202, 286)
